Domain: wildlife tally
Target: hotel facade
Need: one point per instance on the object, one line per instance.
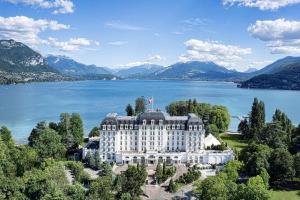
(153, 137)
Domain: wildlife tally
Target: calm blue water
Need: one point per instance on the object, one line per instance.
(22, 106)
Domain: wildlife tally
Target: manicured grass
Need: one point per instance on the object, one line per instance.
(234, 141)
(286, 195)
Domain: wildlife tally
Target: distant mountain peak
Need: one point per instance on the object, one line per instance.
(8, 44)
(69, 66)
(18, 57)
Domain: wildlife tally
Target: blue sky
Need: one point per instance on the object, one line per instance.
(116, 33)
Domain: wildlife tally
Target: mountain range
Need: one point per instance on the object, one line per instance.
(282, 74)
(68, 66)
(17, 57)
(19, 63)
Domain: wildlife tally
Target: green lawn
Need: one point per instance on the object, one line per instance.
(234, 141)
(285, 195)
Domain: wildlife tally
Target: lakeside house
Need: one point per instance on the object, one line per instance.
(155, 136)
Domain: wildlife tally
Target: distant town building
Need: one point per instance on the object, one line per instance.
(153, 137)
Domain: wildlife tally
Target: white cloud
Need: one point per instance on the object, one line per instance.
(27, 30)
(150, 60)
(194, 21)
(177, 33)
(123, 26)
(213, 51)
(281, 36)
(59, 6)
(154, 59)
(73, 44)
(261, 4)
(118, 43)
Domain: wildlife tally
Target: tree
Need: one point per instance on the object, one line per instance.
(36, 132)
(295, 141)
(284, 121)
(70, 128)
(281, 165)
(76, 127)
(129, 110)
(101, 189)
(97, 160)
(76, 192)
(172, 187)
(94, 132)
(159, 173)
(297, 164)
(257, 118)
(48, 144)
(274, 136)
(106, 169)
(140, 105)
(90, 160)
(212, 188)
(126, 196)
(232, 169)
(220, 117)
(265, 176)
(255, 189)
(244, 129)
(256, 158)
(133, 180)
(5, 135)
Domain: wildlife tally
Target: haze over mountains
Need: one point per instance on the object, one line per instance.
(19, 63)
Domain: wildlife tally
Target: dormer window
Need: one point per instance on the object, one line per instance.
(182, 127)
(173, 126)
(126, 126)
(131, 126)
(178, 126)
(104, 127)
(168, 126)
(195, 127)
(113, 127)
(152, 122)
(108, 127)
(190, 127)
(121, 126)
(144, 122)
(200, 127)
(161, 122)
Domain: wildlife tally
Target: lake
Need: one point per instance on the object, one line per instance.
(23, 105)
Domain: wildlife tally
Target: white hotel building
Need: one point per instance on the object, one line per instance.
(154, 136)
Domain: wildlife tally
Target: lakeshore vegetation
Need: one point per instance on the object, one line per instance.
(268, 160)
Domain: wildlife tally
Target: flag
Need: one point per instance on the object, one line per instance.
(150, 100)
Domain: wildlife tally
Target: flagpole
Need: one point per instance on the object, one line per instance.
(152, 103)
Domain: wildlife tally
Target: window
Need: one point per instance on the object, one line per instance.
(178, 126)
(144, 122)
(131, 126)
(152, 122)
(108, 127)
(126, 126)
(195, 127)
(114, 127)
(182, 127)
(173, 126)
(168, 126)
(200, 127)
(121, 126)
(104, 127)
(161, 122)
(190, 127)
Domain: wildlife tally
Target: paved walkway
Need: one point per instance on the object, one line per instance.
(70, 176)
(91, 172)
(156, 192)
